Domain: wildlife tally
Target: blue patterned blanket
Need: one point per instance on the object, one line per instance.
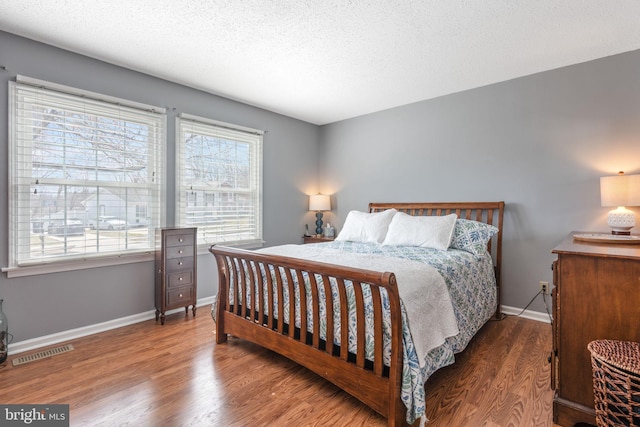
(471, 285)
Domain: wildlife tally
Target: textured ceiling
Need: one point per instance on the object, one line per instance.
(327, 60)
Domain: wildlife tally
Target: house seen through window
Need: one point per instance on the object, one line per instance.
(219, 181)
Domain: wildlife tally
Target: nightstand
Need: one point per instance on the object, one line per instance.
(317, 239)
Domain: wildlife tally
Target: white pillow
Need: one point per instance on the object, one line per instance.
(424, 231)
(366, 227)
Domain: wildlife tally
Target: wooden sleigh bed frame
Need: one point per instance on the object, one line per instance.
(372, 382)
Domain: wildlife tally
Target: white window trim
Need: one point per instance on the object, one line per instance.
(93, 95)
(77, 264)
(89, 260)
(245, 244)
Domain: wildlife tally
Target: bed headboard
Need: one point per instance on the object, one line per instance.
(487, 212)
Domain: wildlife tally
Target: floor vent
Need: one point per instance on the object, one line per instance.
(41, 355)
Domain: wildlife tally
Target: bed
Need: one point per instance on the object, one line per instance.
(397, 332)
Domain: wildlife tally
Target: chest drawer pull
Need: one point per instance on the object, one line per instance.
(183, 278)
(180, 252)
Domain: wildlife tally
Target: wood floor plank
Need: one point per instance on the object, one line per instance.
(175, 375)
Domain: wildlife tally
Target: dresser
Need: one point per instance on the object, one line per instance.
(175, 282)
(596, 296)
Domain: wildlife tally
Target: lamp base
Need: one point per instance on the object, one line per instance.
(621, 221)
(621, 233)
(318, 223)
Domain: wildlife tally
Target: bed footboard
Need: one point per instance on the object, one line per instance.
(252, 305)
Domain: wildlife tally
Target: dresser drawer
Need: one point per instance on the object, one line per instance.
(180, 279)
(179, 264)
(184, 239)
(179, 252)
(180, 296)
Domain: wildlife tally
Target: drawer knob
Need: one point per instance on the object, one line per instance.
(180, 295)
(180, 278)
(180, 240)
(179, 262)
(180, 251)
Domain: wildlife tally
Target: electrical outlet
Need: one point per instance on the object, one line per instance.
(544, 287)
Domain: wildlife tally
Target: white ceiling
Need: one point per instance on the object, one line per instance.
(326, 60)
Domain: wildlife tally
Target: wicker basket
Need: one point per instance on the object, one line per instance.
(616, 382)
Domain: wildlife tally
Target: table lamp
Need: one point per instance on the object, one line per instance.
(319, 203)
(620, 191)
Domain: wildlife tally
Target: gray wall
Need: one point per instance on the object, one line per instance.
(41, 305)
(540, 143)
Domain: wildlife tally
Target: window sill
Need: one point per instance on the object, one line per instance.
(252, 244)
(80, 264)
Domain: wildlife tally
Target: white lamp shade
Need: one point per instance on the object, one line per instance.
(319, 202)
(620, 190)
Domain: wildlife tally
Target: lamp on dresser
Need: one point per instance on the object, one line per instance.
(319, 203)
(620, 191)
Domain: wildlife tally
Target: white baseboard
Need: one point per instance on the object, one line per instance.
(71, 334)
(527, 314)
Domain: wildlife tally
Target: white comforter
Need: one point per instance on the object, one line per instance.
(422, 290)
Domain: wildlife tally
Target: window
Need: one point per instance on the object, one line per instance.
(219, 181)
(84, 177)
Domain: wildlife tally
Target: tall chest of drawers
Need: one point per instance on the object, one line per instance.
(175, 283)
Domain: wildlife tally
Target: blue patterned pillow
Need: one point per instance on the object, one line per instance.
(472, 236)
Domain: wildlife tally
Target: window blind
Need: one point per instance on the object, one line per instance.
(219, 180)
(84, 174)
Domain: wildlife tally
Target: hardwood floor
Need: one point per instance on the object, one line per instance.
(174, 375)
